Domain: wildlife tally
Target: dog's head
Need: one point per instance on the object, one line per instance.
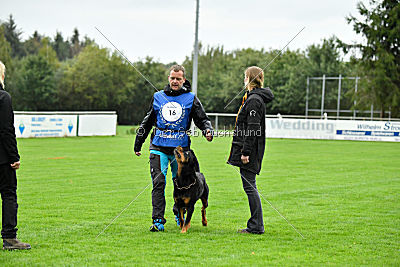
(183, 157)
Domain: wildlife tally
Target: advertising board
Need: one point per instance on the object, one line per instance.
(333, 129)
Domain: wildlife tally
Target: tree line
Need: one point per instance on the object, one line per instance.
(57, 74)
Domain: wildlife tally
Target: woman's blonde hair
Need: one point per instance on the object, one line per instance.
(2, 72)
(255, 77)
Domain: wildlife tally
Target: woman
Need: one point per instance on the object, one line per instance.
(248, 143)
(9, 162)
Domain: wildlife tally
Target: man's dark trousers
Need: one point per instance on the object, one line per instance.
(8, 190)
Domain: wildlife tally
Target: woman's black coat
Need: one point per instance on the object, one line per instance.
(249, 134)
(8, 143)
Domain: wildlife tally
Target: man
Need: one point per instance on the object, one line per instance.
(9, 162)
(171, 112)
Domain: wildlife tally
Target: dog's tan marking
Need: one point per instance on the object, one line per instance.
(186, 200)
(185, 228)
(203, 211)
(178, 173)
(181, 220)
(179, 159)
(203, 216)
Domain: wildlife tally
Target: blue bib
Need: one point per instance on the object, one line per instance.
(172, 119)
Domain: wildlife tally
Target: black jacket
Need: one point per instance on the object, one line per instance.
(197, 113)
(249, 134)
(8, 143)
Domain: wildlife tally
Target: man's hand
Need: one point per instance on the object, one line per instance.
(138, 153)
(16, 165)
(245, 159)
(209, 136)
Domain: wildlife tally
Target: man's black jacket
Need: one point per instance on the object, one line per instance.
(249, 134)
(197, 113)
(8, 143)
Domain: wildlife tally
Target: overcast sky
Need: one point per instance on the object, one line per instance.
(164, 29)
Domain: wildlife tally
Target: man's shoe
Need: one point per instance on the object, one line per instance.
(13, 243)
(157, 226)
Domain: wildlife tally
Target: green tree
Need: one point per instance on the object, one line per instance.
(5, 50)
(87, 41)
(286, 76)
(13, 36)
(61, 47)
(10, 63)
(380, 60)
(325, 59)
(221, 75)
(139, 92)
(85, 81)
(93, 80)
(35, 84)
(47, 51)
(33, 44)
(98, 80)
(75, 47)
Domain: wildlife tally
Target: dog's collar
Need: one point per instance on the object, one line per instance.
(184, 187)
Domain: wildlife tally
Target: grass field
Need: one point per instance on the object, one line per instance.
(343, 196)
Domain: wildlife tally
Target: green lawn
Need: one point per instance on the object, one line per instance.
(343, 196)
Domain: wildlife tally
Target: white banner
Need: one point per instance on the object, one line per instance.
(333, 129)
(90, 125)
(45, 125)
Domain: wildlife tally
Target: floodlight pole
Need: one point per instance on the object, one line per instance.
(195, 57)
(196, 50)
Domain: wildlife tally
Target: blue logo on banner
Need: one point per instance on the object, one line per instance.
(70, 126)
(21, 127)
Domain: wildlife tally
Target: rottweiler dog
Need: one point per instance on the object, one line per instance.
(189, 186)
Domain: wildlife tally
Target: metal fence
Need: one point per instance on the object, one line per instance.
(338, 110)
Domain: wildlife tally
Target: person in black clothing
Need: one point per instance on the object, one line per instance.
(171, 113)
(9, 162)
(248, 143)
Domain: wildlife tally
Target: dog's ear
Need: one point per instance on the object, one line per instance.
(195, 161)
